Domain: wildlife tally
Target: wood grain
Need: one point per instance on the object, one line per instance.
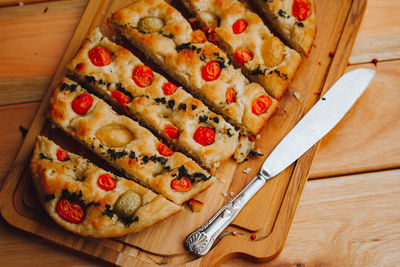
(379, 35)
(346, 221)
(367, 137)
(309, 83)
(26, 70)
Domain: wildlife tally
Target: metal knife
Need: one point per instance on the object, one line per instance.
(321, 118)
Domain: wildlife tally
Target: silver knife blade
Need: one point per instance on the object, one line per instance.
(319, 120)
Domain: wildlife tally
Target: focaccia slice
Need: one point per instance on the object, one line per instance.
(183, 121)
(90, 201)
(294, 20)
(125, 144)
(248, 42)
(165, 36)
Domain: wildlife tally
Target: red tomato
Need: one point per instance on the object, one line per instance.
(100, 56)
(301, 9)
(239, 26)
(181, 185)
(261, 104)
(62, 155)
(204, 136)
(169, 88)
(82, 103)
(143, 76)
(171, 132)
(211, 71)
(230, 95)
(242, 56)
(71, 212)
(106, 182)
(164, 150)
(121, 98)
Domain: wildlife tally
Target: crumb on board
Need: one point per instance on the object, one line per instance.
(247, 171)
(221, 180)
(231, 194)
(331, 54)
(374, 61)
(258, 136)
(296, 95)
(224, 194)
(21, 3)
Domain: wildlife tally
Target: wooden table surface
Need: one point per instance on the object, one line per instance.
(349, 212)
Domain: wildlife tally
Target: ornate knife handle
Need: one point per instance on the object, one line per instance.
(200, 241)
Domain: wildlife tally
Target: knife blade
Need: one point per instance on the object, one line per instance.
(318, 121)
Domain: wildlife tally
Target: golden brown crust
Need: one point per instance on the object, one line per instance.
(125, 144)
(273, 64)
(174, 49)
(76, 180)
(151, 105)
(299, 34)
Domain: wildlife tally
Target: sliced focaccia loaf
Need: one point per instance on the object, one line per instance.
(125, 144)
(294, 20)
(248, 43)
(165, 36)
(181, 120)
(90, 201)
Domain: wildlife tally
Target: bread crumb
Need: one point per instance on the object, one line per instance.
(248, 170)
(258, 136)
(231, 194)
(196, 205)
(222, 181)
(224, 194)
(296, 95)
(21, 3)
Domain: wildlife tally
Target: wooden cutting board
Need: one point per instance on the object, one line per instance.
(268, 214)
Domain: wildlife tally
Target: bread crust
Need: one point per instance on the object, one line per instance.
(273, 64)
(177, 50)
(151, 106)
(299, 34)
(125, 144)
(55, 180)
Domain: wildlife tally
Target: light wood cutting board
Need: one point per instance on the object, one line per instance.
(268, 214)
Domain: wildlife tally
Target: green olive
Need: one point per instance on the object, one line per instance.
(151, 24)
(127, 204)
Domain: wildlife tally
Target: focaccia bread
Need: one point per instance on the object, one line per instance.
(248, 42)
(125, 144)
(90, 201)
(294, 20)
(183, 122)
(165, 36)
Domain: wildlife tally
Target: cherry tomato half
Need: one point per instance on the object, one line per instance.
(211, 71)
(71, 212)
(204, 136)
(82, 103)
(301, 9)
(169, 88)
(106, 182)
(239, 26)
(100, 56)
(121, 98)
(261, 104)
(143, 76)
(164, 150)
(230, 95)
(242, 56)
(62, 155)
(181, 185)
(171, 131)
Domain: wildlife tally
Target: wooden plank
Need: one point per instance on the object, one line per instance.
(367, 138)
(346, 221)
(26, 70)
(11, 117)
(379, 35)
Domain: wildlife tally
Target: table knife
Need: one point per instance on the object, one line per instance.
(318, 121)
